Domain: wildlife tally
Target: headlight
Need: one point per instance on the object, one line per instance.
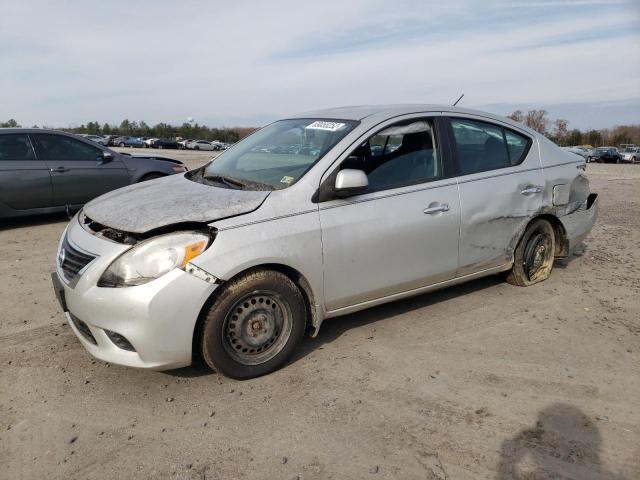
(153, 258)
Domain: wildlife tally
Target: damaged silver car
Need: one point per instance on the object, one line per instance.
(315, 216)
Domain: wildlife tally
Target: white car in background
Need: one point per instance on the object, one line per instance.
(100, 140)
(148, 142)
(631, 154)
(200, 145)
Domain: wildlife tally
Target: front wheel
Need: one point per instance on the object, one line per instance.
(254, 325)
(534, 255)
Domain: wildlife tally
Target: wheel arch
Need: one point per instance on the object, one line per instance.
(150, 176)
(562, 241)
(314, 316)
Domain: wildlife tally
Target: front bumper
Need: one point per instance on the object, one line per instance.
(579, 223)
(157, 319)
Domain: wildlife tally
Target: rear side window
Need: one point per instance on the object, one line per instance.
(482, 146)
(58, 147)
(16, 146)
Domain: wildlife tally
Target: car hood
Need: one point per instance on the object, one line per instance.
(166, 201)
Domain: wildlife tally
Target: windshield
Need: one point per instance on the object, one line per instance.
(276, 156)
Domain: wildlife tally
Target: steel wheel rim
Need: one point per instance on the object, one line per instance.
(536, 254)
(257, 327)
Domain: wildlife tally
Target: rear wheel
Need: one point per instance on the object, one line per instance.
(534, 255)
(121, 144)
(254, 325)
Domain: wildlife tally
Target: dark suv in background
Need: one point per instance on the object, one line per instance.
(43, 171)
(606, 155)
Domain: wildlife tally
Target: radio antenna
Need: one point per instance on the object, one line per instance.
(459, 98)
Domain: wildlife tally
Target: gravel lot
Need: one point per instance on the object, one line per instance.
(477, 381)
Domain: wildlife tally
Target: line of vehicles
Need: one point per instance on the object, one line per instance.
(626, 153)
(160, 143)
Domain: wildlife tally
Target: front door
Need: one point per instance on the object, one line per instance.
(402, 233)
(25, 182)
(78, 170)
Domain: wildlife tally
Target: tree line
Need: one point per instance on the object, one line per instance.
(557, 130)
(160, 130)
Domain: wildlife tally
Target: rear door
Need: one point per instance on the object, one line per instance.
(25, 182)
(501, 187)
(78, 170)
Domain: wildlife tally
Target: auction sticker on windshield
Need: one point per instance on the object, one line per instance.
(329, 126)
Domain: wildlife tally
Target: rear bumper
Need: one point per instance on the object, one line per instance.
(579, 223)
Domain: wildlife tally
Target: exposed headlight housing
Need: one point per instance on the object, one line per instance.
(152, 258)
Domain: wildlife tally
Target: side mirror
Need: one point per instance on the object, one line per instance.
(350, 182)
(106, 157)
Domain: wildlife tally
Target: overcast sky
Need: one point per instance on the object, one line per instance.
(64, 63)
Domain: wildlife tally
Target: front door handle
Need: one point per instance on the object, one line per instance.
(531, 190)
(436, 207)
(59, 170)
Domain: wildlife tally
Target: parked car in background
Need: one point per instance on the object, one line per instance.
(164, 143)
(96, 138)
(606, 155)
(148, 142)
(235, 261)
(110, 139)
(182, 144)
(200, 145)
(584, 152)
(631, 154)
(43, 171)
(128, 142)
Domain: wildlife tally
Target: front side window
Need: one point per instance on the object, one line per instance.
(399, 155)
(16, 146)
(59, 147)
(274, 157)
(482, 146)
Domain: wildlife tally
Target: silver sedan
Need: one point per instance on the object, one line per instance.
(315, 216)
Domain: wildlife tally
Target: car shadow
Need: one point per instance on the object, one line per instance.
(578, 252)
(33, 220)
(564, 443)
(334, 328)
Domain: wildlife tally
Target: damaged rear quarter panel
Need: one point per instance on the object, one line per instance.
(495, 213)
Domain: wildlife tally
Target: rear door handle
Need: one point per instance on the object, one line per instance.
(531, 190)
(436, 207)
(59, 170)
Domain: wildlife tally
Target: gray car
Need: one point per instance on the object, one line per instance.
(312, 217)
(44, 171)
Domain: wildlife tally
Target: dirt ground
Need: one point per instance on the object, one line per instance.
(483, 380)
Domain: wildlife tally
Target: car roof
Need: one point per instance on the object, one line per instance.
(380, 112)
(33, 130)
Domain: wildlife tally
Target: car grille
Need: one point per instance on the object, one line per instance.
(72, 261)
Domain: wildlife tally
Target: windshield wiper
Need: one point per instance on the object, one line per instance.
(228, 181)
(232, 182)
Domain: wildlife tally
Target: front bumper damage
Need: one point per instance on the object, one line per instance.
(147, 326)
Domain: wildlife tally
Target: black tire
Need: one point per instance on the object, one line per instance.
(121, 144)
(254, 325)
(196, 147)
(534, 255)
(151, 176)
